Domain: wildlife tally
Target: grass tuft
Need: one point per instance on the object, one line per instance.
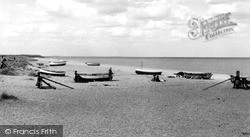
(5, 96)
(6, 71)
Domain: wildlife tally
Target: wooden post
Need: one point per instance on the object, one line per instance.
(39, 80)
(238, 73)
(110, 74)
(237, 82)
(76, 77)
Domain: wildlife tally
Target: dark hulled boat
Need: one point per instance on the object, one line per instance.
(93, 77)
(148, 72)
(194, 75)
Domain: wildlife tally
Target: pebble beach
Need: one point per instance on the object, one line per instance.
(128, 106)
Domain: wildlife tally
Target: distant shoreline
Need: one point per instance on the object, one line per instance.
(42, 56)
(26, 55)
(154, 57)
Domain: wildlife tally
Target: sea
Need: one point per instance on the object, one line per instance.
(214, 65)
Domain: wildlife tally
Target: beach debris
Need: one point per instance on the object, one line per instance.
(245, 133)
(171, 77)
(40, 79)
(29, 79)
(5, 96)
(109, 85)
(219, 99)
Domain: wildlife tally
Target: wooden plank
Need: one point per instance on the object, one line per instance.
(57, 82)
(217, 84)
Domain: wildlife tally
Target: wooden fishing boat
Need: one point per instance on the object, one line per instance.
(206, 75)
(93, 77)
(52, 72)
(92, 63)
(194, 75)
(148, 72)
(57, 63)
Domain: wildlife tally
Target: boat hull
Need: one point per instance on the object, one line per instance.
(93, 77)
(60, 63)
(148, 72)
(194, 75)
(92, 64)
(52, 73)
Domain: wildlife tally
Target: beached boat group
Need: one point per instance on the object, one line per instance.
(79, 77)
(83, 77)
(239, 82)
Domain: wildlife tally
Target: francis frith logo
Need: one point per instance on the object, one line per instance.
(212, 27)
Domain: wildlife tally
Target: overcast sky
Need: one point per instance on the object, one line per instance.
(119, 28)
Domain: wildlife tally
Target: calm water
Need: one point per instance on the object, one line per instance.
(214, 65)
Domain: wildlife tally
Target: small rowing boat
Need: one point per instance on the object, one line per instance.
(93, 77)
(148, 72)
(194, 75)
(57, 63)
(52, 72)
(92, 63)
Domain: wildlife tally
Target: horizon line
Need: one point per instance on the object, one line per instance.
(115, 56)
(140, 57)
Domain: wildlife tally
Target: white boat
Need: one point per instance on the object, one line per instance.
(57, 63)
(52, 72)
(92, 63)
(148, 72)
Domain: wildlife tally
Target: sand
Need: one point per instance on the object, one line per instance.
(130, 105)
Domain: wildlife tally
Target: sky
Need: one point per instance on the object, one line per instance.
(138, 28)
